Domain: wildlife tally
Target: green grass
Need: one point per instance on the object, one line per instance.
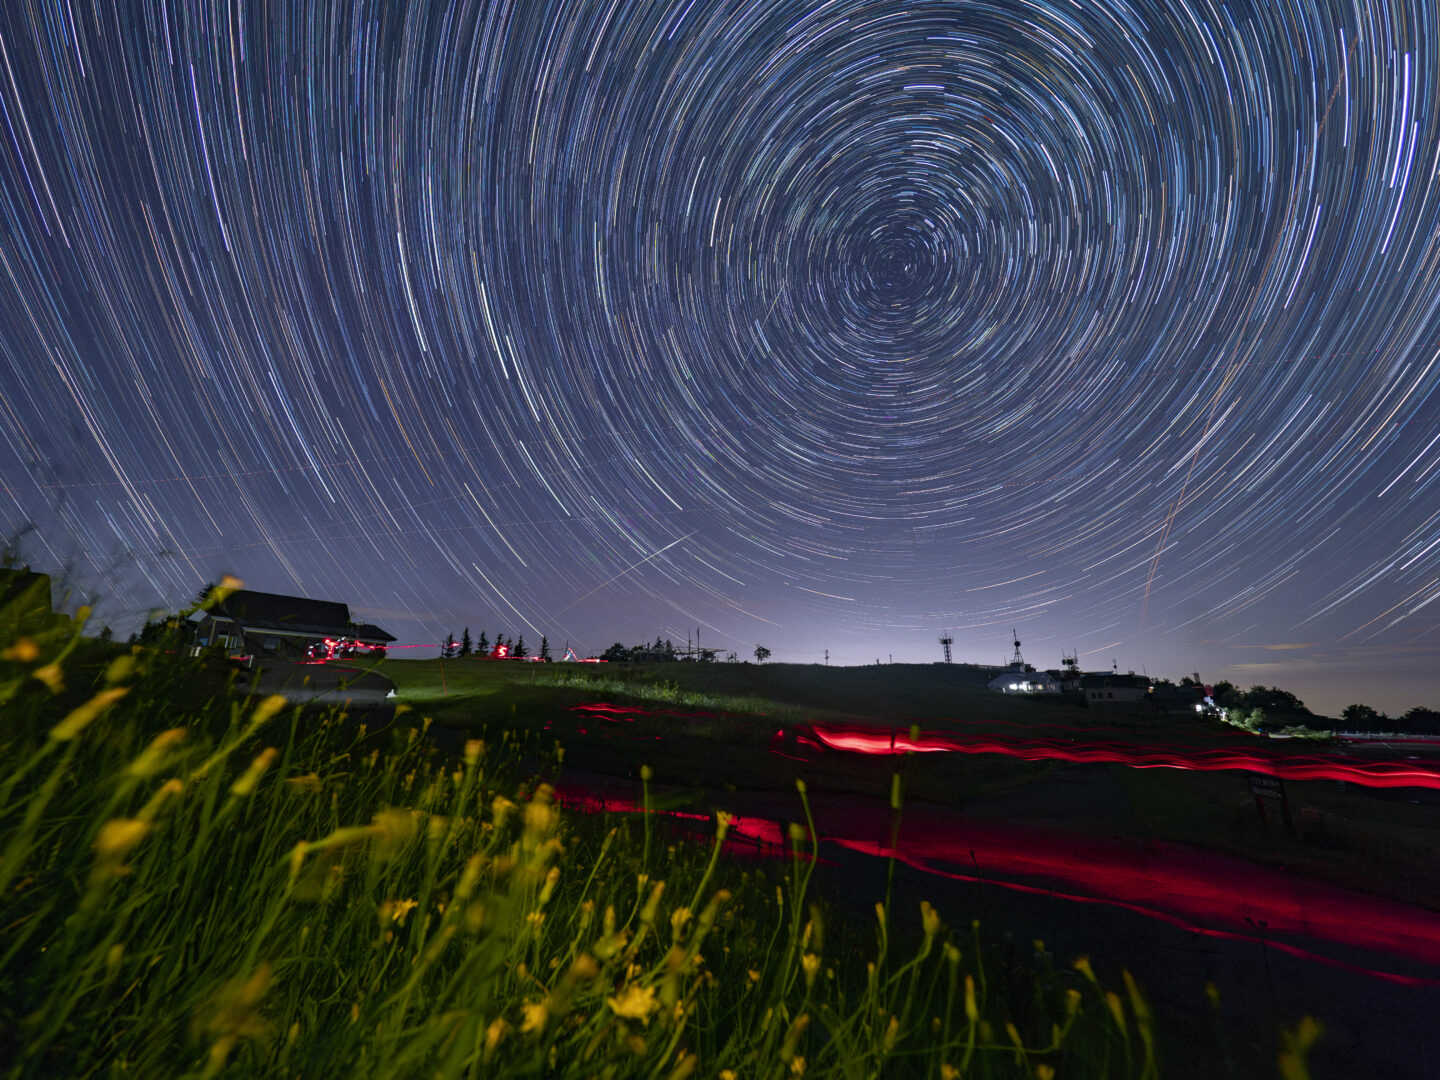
(242, 887)
(698, 726)
(730, 712)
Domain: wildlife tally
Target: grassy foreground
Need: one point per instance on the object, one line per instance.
(192, 885)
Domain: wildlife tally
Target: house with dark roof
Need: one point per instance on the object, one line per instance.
(369, 634)
(269, 624)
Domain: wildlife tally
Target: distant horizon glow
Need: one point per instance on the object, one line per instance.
(824, 327)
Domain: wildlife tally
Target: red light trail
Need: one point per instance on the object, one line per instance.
(885, 741)
(1367, 773)
(1208, 894)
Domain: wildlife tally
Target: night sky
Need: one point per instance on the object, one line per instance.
(818, 325)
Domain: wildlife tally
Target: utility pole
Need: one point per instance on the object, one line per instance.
(827, 657)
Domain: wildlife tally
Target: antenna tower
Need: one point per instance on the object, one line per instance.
(946, 641)
(1017, 658)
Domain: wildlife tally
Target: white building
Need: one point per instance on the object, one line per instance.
(1020, 678)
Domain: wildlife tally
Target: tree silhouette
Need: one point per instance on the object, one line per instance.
(1362, 717)
(520, 650)
(761, 654)
(482, 647)
(466, 645)
(544, 649)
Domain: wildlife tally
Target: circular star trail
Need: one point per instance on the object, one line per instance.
(824, 325)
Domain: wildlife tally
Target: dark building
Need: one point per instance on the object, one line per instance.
(1111, 689)
(268, 624)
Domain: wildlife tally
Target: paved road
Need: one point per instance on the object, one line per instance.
(331, 683)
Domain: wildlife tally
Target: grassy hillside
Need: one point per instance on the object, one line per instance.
(887, 694)
(711, 726)
(707, 729)
(193, 885)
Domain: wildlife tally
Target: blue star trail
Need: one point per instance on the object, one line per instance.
(1115, 323)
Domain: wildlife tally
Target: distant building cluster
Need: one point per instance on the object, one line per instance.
(1100, 689)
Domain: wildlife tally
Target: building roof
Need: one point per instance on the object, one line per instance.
(1114, 680)
(1031, 681)
(367, 631)
(259, 611)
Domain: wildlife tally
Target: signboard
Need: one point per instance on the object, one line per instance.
(1266, 787)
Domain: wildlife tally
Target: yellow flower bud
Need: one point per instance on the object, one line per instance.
(24, 650)
(80, 718)
(118, 836)
(247, 780)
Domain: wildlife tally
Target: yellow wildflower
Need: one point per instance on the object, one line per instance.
(536, 1014)
(493, 1034)
(50, 675)
(153, 757)
(267, 709)
(678, 918)
(80, 718)
(118, 836)
(811, 963)
(634, 1003)
(24, 650)
(396, 910)
(929, 918)
(247, 780)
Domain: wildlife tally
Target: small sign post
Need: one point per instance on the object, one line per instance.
(1263, 787)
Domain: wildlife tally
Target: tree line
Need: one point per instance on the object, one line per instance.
(664, 651)
(1269, 706)
(502, 648)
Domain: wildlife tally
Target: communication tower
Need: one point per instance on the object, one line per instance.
(946, 641)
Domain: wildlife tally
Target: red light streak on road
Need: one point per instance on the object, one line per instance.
(607, 712)
(1208, 894)
(1204, 893)
(604, 710)
(755, 831)
(1367, 773)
